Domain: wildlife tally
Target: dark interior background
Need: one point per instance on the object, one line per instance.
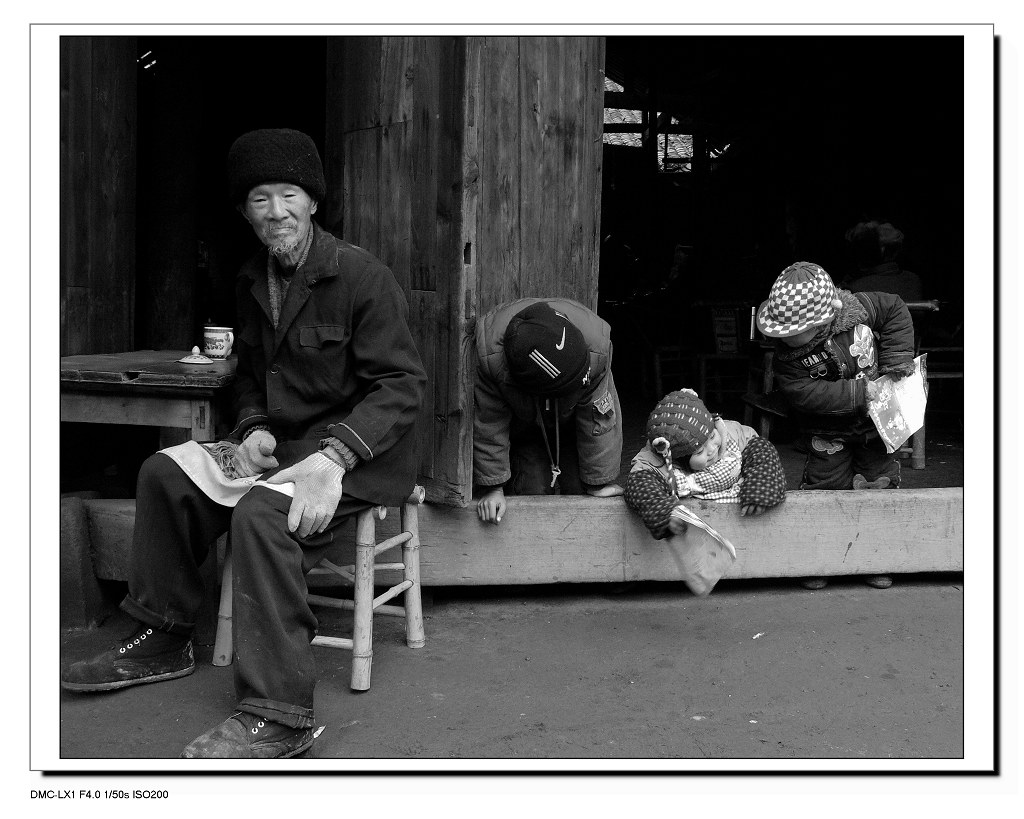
(821, 133)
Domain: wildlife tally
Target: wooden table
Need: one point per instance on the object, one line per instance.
(147, 387)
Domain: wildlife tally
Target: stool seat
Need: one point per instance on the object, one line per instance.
(363, 604)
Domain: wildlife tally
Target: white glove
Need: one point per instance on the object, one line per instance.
(317, 494)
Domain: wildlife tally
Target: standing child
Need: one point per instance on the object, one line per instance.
(690, 452)
(830, 346)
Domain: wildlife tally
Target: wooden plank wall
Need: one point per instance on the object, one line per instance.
(537, 107)
(98, 114)
(393, 151)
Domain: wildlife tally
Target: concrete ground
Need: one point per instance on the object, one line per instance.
(762, 670)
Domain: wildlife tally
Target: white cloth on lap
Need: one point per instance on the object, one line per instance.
(203, 471)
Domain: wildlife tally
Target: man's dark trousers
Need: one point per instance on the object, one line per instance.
(175, 525)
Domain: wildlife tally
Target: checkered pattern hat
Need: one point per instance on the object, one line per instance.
(802, 297)
(682, 419)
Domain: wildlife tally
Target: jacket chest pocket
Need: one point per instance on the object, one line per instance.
(321, 358)
(318, 336)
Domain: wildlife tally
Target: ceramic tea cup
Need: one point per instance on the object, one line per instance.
(217, 341)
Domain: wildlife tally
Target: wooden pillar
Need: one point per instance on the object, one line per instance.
(395, 170)
(98, 113)
(538, 106)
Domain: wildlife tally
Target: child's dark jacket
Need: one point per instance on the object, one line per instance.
(825, 382)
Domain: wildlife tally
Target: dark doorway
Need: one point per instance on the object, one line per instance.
(728, 158)
(196, 95)
(754, 152)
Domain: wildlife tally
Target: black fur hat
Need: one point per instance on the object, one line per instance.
(275, 155)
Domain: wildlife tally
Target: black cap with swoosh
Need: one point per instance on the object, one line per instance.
(546, 353)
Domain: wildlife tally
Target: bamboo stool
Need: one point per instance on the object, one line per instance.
(361, 575)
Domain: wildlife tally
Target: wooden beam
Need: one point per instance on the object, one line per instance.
(573, 539)
(581, 539)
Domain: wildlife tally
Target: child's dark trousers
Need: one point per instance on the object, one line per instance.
(833, 460)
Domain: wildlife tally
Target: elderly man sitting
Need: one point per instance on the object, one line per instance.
(327, 389)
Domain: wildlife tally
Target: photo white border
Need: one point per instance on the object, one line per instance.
(979, 298)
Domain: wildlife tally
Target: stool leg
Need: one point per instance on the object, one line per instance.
(362, 633)
(414, 636)
(222, 650)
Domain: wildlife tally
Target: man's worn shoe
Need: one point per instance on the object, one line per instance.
(248, 736)
(879, 581)
(881, 482)
(814, 583)
(146, 656)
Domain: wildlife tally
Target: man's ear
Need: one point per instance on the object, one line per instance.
(312, 210)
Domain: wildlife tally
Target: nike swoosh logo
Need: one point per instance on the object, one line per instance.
(561, 344)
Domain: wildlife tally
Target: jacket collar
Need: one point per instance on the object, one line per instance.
(318, 265)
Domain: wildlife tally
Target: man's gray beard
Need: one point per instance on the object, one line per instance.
(283, 250)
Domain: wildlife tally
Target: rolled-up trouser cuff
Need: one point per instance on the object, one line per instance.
(291, 715)
(157, 621)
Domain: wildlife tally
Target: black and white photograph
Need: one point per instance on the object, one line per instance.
(592, 401)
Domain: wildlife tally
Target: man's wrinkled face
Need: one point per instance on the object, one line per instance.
(280, 213)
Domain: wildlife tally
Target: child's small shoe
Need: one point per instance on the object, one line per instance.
(860, 482)
(879, 581)
(814, 583)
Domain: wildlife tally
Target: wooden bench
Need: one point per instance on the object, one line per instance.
(575, 539)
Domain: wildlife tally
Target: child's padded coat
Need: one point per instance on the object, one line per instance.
(759, 480)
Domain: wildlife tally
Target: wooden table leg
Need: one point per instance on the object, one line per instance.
(202, 419)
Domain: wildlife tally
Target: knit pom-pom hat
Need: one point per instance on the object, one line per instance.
(545, 352)
(681, 419)
(802, 297)
(275, 155)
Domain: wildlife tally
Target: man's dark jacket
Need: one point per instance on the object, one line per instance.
(341, 363)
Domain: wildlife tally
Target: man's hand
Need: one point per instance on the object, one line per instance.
(317, 492)
(609, 490)
(491, 506)
(873, 390)
(255, 455)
